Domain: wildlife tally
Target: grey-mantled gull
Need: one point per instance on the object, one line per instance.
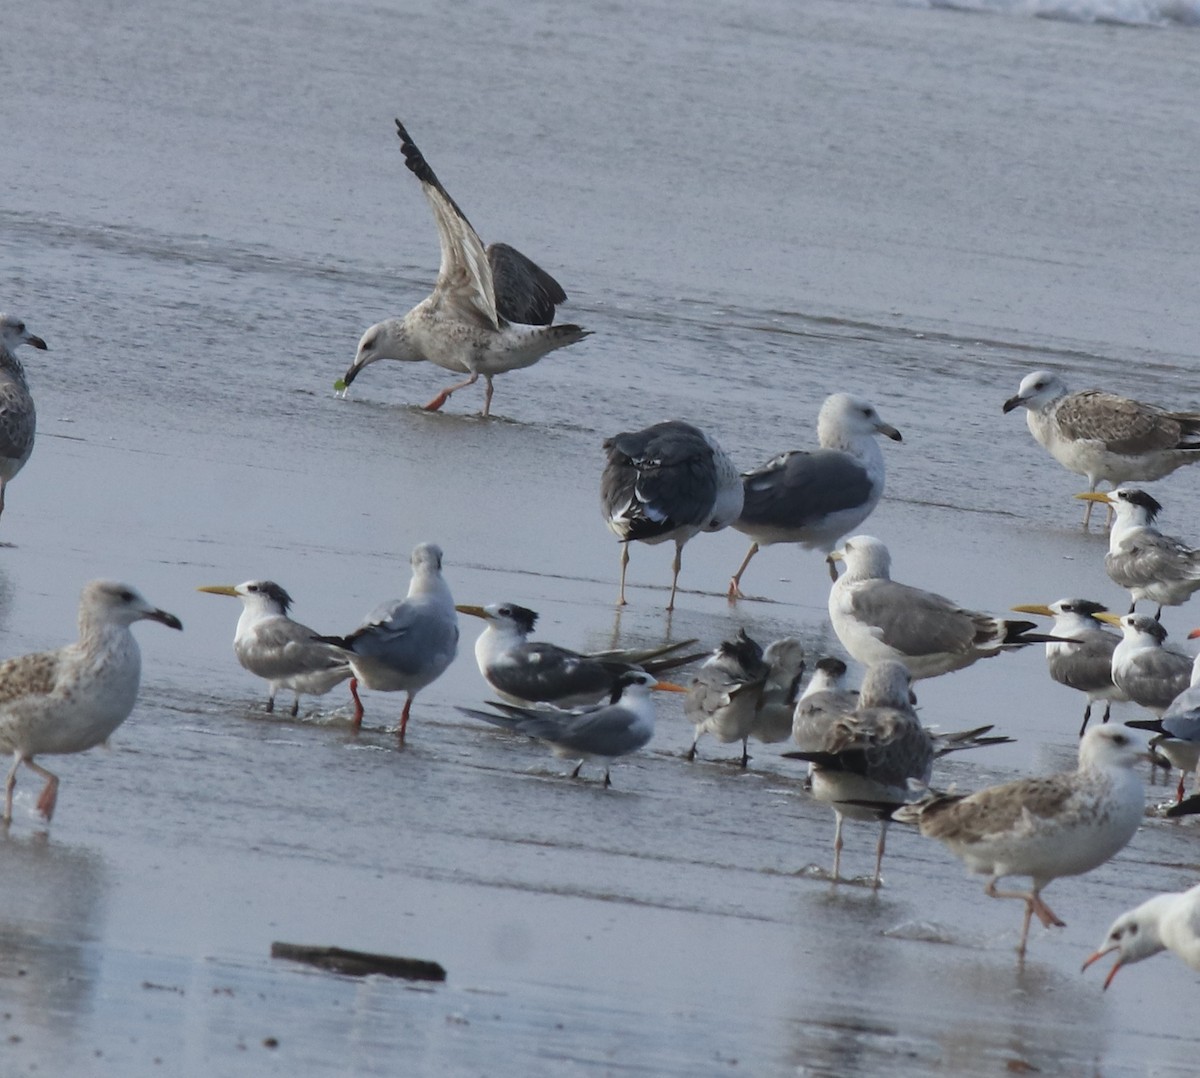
(1081, 658)
(817, 496)
(1058, 825)
(876, 618)
(58, 702)
(534, 672)
(278, 649)
(668, 481)
(603, 732)
(1105, 437)
(742, 691)
(1169, 922)
(490, 312)
(405, 644)
(1149, 672)
(1177, 732)
(1140, 558)
(18, 417)
(825, 699)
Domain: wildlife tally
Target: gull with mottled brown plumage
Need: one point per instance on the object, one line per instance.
(18, 417)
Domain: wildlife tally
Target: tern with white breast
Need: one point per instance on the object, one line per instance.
(1150, 565)
(66, 701)
(1081, 657)
(490, 311)
(18, 417)
(815, 497)
(1168, 922)
(1058, 825)
(1105, 437)
(405, 644)
(278, 649)
(534, 672)
(1144, 668)
(877, 619)
(604, 732)
(668, 481)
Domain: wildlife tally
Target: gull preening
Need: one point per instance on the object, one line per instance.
(668, 481)
(826, 698)
(531, 672)
(604, 732)
(815, 497)
(1143, 667)
(742, 691)
(489, 312)
(1058, 825)
(1105, 437)
(405, 644)
(64, 701)
(18, 417)
(1168, 922)
(278, 649)
(1140, 558)
(876, 618)
(1081, 657)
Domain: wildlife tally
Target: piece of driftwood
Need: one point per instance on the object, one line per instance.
(359, 963)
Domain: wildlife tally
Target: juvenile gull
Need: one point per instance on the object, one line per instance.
(489, 312)
(1143, 667)
(530, 672)
(273, 646)
(1140, 558)
(1060, 825)
(668, 481)
(18, 418)
(56, 702)
(405, 644)
(815, 497)
(1081, 658)
(603, 732)
(876, 618)
(1105, 437)
(1168, 922)
(740, 692)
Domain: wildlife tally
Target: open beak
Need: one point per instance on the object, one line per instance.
(220, 589)
(1034, 608)
(474, 611)
(667, 686)
(1095, 496)
(1111, 973)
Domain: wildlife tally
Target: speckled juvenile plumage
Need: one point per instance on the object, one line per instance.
(18, 417)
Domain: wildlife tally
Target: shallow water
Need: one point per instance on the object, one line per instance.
(752, 209)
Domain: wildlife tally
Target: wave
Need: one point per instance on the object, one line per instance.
(1109, 12)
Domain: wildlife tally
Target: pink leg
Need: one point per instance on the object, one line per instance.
(48, 798)
(404, 716)
(735, 585)
(1179, 792)
(9, 785)
(624, 566)
(444, 395)
(487, 397)
(356, 722)
(676, 566)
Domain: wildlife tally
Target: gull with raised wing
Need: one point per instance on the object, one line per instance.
(278, 649)
(1105, 437)
(1168, 922)
(1150, 565)
(604, 732)
(1081, 657)
(668, 481)
(533, 672)
(18, 417)
(405, 644)
(65, 701)
(1058, 825)
(876, 618)
(490, 311)
(814, 497)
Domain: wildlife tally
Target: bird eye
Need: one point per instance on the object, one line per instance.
(1133, 930)
(125, 595)
(253, 587)
(20, 327)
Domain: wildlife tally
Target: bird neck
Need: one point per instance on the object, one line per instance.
(12, 365)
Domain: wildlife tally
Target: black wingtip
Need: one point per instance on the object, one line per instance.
(1189, 806)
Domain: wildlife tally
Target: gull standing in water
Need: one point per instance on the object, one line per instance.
(405, 644)
(815, 497)
(490, 311)
(603, 732)
(1163, 923)
(1143, 667)
(1081, 658)
(1059, 825)
(1140, 558)
(743, 691)
(1105, 437)
(57, 702)
(277, 649)
(18, 418)
(530, 672)
(668, 481)
(876, 618)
